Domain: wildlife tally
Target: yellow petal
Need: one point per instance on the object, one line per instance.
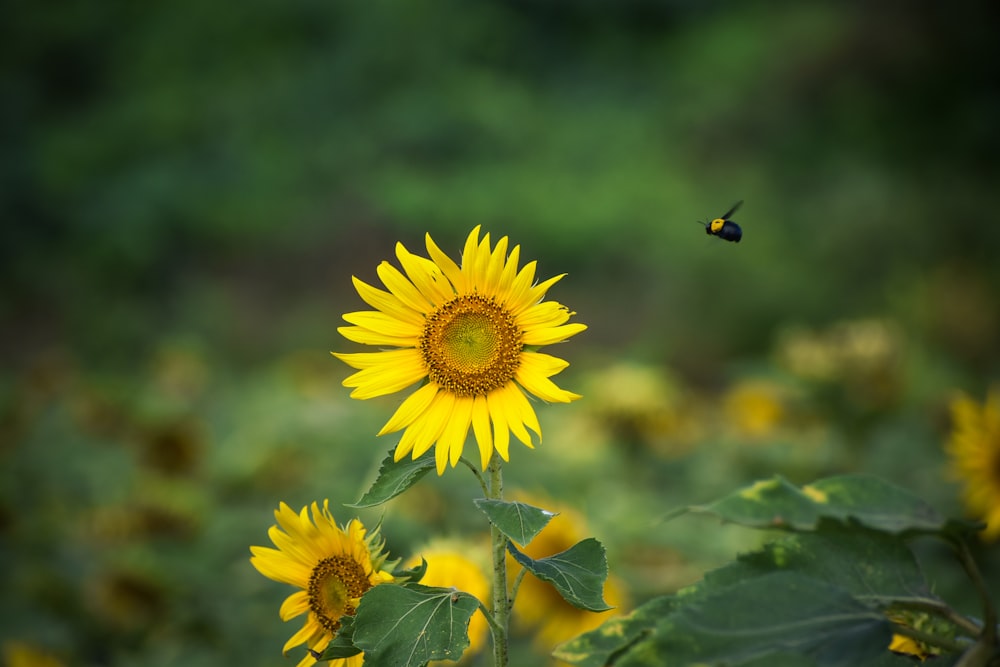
(446, 264)
(386, 302)
(544, 314)
(402, 288)
(294, 605)
(385, 324)
(456, 430)
(426, 276)
(481, 428)
(550, 335)
(414, 406)
(501, 432)
(367, 337)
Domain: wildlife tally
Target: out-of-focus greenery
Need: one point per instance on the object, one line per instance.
(186, 189)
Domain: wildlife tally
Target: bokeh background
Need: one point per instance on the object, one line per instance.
(186, 189)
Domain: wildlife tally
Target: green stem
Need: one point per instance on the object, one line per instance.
(931, 606)
(949, 645)
(501, 604)
(989, 636)
(479, 476)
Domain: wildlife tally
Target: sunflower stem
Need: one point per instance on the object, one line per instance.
(501, 604)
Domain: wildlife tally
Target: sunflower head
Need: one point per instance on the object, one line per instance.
(468, 334)
(974, 449)
(332, 566)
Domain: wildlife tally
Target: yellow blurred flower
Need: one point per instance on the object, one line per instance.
(539, 607)
(461, 565)
(463, 331)
(974, 448)
(332, 566)
(23, 654)
(755, 408)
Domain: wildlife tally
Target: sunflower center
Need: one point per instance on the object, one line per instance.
(471, 345)
(334, 582)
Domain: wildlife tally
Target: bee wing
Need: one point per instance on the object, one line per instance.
(728, 213)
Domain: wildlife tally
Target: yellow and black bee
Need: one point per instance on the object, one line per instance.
(724, 228)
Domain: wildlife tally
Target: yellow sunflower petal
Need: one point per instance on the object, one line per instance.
(542, 315)
(387, 325)
(386, 302)
(402, 288)
(294, 605)
(308, 634)
(481, 429)
(552, 335)
(433, 422)
(456, 430)
(533, 376)
(368, 337)
(414, 406)
(450, 269)
(426, 276)
(383, 372)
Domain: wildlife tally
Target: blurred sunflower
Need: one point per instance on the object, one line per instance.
(755, 408)
(333, 566)
(464, 330)
(974, 447)
(461, 565)
(539, 607)
(22, 654)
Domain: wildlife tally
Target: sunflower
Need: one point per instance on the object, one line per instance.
(974, 447)
(461, 565)
(332, 566)
(468, 332)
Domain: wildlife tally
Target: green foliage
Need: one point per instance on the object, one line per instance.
(410, 624)
(577, 573)
(395, 477)
(520, 522)
(864, 499)
(827, 594)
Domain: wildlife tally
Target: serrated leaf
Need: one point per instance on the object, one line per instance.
(577, 573)
(861, 499)
(599, 646)
(408, 625)
(394, 478)
(774, 615)
(518, 521)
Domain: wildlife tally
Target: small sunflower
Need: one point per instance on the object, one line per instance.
(974, 447)
(463, 566)
(468, 332)
(333, 566)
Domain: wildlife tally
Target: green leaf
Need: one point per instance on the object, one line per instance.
(769, 616)
(577, 573)
(871, 565)
(342, 645)
(518, 521)
(411, 575)
(394, 478)
(600, 646)
(408, 625)
(860, 499)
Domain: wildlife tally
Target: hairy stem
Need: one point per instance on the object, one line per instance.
(501, 604)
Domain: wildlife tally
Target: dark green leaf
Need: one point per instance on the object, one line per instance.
(394, 478)
(868, 564)
(518, 521)
(411, 575)
(342, 645)
(859, 499)
(408, 625)
(577, 573)
(774, 615)
(599, 646)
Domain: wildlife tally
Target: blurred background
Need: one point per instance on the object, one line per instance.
(186, 189)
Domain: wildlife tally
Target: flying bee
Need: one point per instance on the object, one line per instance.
(723, 227)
